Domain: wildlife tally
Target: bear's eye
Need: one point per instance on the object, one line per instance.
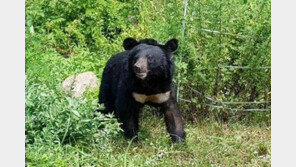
(149, 57)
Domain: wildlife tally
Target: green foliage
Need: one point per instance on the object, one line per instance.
(54, 118)
(208, 144)
(66, 37)
(91, 24)
(240, 37)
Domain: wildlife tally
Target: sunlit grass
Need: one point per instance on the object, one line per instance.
(207, 143)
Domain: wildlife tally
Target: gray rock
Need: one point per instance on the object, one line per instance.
(76, 85)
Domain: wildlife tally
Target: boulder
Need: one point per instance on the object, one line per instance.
(76, 85)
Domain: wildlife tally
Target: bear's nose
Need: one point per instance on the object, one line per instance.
(137, 69)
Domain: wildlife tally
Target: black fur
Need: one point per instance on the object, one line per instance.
(119, 82)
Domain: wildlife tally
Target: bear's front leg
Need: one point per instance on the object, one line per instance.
(127, 112)
(130, 125)
(173, 121)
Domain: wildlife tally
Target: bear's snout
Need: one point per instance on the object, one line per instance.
(137, 69)
(141, 67)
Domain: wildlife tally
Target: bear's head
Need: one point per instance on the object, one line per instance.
(149, 59)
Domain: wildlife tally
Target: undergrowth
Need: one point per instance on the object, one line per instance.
(65, 37)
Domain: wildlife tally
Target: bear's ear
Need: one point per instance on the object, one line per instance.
(172, 45)
(129, 43)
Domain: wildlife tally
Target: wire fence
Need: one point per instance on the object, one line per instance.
(212, 102)
(182, 33)
(228, 34)
(223, 104)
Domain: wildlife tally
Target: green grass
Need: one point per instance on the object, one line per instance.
(61, 131)
(207, 144)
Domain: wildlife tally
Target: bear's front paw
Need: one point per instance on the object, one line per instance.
(178, 137)
(131, 134)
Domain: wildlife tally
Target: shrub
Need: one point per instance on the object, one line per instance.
(53, 117)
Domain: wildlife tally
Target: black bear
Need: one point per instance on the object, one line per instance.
(141, 75)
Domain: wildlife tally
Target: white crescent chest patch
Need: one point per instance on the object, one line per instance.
(156, 98)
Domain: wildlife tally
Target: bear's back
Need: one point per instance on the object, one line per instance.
(117, 63)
